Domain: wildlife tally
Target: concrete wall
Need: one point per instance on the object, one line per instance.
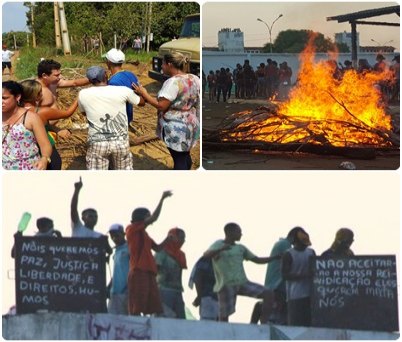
(214, 60)
(69, 326)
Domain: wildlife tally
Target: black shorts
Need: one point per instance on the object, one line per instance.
(299, 312)
(6, 65)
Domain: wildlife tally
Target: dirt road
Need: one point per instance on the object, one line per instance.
(149, 152)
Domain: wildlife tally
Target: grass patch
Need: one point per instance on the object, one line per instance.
(27, 62)
(29, 58)
(143, 57)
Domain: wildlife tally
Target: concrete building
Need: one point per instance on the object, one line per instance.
(253, 49)
(377, 49)
(346, 38)
(231, 40)
(74, 326)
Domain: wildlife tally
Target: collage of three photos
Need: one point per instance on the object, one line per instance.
(266, 115)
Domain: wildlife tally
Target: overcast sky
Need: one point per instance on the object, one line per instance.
(296, 15)
(13, 16)
(266, 204)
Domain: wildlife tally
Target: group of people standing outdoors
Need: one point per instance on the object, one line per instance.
(141, 283)
(266, 81)
(390, 89)
(287, 290)
(272, 81)
(30, 111)
(147, 277)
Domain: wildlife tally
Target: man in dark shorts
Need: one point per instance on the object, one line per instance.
(6, 60)
(227, 259)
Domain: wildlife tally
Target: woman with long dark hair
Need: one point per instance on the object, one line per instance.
(24, 141)
(31, 97)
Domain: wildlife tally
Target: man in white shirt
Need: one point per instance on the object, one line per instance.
(105, 108)
(6, 60)
(86, 227)
(137, 44)
(89, 216)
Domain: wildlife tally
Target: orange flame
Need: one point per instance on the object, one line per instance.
(324, 109)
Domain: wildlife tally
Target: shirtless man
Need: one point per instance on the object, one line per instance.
(49, 76)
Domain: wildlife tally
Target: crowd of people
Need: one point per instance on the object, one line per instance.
(266, 81)
(390, 89)
(147, 276)
(30, 112)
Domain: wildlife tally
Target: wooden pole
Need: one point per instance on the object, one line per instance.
(15, 42)
(57, 26)
(100, 44)
(144, 24)
(33, 25)
(354, 44)
(149, 24)
(64, 30)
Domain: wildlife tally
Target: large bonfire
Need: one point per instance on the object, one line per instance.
(321, 110)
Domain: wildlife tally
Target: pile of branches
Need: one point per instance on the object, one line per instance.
(248, 129)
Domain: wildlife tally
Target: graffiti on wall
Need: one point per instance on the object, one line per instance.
(108, 327)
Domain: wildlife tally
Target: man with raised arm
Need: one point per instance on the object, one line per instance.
(143, 291)
(89, 216)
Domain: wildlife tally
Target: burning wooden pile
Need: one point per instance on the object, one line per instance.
(324, 114)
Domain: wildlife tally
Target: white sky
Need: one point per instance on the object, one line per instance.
(266, 204)
(297, 16)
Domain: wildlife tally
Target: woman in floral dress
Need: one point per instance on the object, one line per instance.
(24, 140)
(178, 105)
(31, 97)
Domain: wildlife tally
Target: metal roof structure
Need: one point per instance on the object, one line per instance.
(367, 14)
(354, 20)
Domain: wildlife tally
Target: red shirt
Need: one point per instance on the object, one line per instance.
(140, 248)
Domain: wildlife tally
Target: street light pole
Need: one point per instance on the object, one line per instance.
(270, 29)
(390, 41)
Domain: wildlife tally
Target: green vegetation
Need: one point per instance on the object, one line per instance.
(142, 57)
(27, 62)
(342, 47)
(20, 38)
(294, 41)
(29, 59)
(106, 19)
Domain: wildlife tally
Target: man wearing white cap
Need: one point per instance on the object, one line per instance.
(114, 61)
(105, 108)
(118, 289)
